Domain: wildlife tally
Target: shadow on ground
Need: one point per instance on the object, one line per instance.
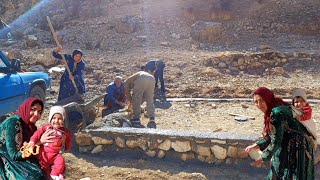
(222, 171)
(137, 159)
(160, 100)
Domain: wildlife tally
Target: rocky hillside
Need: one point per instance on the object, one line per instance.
(121, 25)
(205, 43)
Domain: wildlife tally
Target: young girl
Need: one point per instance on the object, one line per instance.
(50, 158)
(299, 100)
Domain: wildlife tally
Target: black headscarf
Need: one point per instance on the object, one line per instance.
(77, 51)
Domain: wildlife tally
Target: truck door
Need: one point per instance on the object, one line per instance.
(11, 87)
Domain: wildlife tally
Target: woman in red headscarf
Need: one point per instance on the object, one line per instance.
(286, 142)
(13, 132)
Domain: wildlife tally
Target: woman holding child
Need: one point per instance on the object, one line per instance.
(13, 132)
(286, 141)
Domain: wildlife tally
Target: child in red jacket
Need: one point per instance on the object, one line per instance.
(299, 100)
(50, 158)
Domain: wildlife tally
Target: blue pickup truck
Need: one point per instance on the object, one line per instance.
(16, 86)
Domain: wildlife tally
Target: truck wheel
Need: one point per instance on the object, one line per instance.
(38, 92)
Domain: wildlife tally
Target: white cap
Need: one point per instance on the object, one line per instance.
(118, 77)
(299, 92)
(55, 110)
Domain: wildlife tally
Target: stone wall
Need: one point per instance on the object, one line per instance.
(267, 61)
(220, 147)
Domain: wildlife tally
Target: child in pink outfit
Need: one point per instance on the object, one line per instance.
(299, 100)
(50, 158)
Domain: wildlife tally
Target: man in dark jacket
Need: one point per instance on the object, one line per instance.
(157, 66)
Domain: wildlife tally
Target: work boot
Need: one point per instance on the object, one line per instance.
(136, 123)
(152, 123)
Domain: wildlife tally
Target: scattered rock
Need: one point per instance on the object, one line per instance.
(32, 41)
(127, 24)
(37, 68)
(161, 154)
(206, 31)
(97, 149)
(151, 153)
(165, 44)
(15, 54)
(30, 31)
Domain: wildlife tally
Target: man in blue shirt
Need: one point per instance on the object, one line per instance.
(115, 99)
(157, 66)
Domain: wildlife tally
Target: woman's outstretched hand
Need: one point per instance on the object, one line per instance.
(47, 137)
(251, 148)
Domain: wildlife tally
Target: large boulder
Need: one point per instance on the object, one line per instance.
(32, 41)
(127, 25)
(206, 32)
(45, 58)
(37, 68)
(221, 15)
(56, 72)
(15, 54)
(112, 120)
(30, 31)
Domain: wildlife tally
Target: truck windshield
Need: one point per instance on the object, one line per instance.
(3, 66)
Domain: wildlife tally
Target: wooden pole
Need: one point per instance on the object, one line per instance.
(55, 37)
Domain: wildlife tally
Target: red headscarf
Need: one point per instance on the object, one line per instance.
(271, 102)
(24, 112)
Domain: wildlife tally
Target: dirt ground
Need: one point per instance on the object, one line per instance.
(193, 116)
(183, 79)
(109, 53)
(197, 116)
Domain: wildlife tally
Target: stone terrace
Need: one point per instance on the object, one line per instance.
(214, 148)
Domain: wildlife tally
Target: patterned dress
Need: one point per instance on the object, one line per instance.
(12, 165)
(289, 146)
